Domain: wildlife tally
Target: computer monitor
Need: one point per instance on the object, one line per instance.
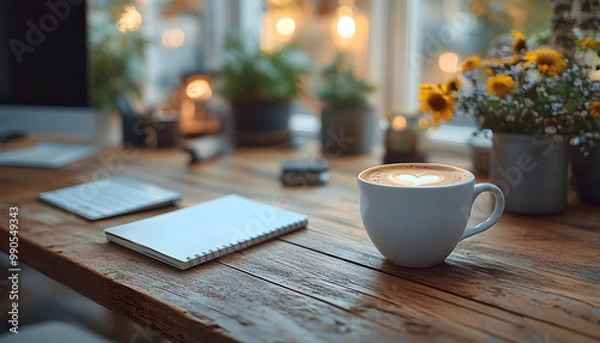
(44, 84)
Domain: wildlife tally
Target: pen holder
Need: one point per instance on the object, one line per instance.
(167, 132)
(134, 131)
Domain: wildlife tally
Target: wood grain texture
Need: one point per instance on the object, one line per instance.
(531, 279)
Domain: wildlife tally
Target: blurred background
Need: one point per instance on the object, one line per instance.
(396, 45)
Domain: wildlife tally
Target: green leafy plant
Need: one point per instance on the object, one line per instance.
(249, 74)
(116, 58)
(341, 88)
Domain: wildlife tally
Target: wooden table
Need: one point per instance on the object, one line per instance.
(528, 279)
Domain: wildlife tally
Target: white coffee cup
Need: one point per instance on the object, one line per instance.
(419, 221)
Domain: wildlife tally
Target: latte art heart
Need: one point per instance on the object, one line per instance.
(416, 175)
(416, 180)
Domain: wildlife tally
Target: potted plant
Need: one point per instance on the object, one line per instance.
(260, 86)
(534, 101)
(117, 71)
(347, 121)
(116, 58)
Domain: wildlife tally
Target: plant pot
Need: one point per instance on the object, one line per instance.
(531, 171)
(261, 122)
(347, 131)
(586, 174)
(480, 145)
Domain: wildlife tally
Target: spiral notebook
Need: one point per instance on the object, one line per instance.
(200, 233)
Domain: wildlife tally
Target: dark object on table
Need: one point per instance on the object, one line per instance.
(304, 172)
(7, 135)
(134, 123)
(207, 147)
(167, 132)
(403, 139)
(586, 173)
(400, 157)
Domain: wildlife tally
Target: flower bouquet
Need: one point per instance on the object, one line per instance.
(534, 101)
(532, 92)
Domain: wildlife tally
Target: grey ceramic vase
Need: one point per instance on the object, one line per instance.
(586, 174)
(531, 171)
(260, 123)
(347, 131)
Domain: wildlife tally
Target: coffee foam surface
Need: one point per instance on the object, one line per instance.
(416, 175)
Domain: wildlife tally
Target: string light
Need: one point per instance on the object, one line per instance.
(130, 20)
(345, 25)
(285, 26)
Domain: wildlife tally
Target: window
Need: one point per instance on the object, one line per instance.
(394, 44)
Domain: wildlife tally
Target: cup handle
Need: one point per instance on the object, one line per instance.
(498, 209)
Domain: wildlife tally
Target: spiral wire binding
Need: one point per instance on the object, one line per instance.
(239, 245)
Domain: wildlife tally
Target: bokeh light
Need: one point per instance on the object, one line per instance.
(173, 38)
(285, 26)
(399, 123)
(449, 62)
(130, 20)
(198, 90)
(346, 27)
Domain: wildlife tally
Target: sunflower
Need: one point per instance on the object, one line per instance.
(519, 43)
(499, 61)
(500, 85)
(589, 43)
(453, 84)
(427, 86)
(441, 104)
(548, 60)
(470, 63)
(595, 109)
(514, 60)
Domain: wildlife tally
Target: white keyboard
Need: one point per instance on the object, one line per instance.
(109, 197)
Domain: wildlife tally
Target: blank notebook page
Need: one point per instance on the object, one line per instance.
(223, 224)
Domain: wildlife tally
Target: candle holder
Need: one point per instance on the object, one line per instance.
(404, 138)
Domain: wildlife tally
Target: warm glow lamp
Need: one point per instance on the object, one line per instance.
(193, 98)
(198, 90)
